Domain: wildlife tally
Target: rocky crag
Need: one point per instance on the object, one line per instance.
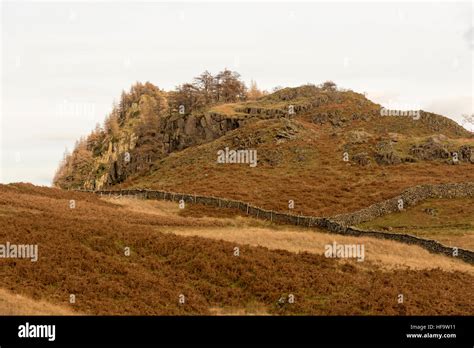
(150, 124)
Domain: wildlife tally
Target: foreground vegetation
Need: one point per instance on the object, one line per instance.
(81, 252)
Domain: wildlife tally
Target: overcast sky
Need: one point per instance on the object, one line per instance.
(64, 64)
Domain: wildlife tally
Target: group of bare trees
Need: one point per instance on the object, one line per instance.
(74, 167)
(207, 89)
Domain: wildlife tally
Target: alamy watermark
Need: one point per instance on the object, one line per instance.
(237, 156)
(335, 250)
(37, 331)
(416, 114)
(76, 109)
(19, 251)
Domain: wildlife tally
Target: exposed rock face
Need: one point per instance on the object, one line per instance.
(134, 154)
(435, 148)
(358, 136)
(269, 113)
(336, 119)
(361, 158)
(431, 150)
(385, 153)
(438, 123)
(466, 153)
(287, 132)
(180, 132)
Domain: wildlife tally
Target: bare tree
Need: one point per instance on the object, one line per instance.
(329, 86)
(229, 87)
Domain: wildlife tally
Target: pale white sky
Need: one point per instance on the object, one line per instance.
(63, 64)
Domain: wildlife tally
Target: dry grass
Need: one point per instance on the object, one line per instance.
(252, 310)
(158, 208)
(386, 254)
(226, 109)
(15, 304)
(243, 230)
(248, 231)
(81, 251)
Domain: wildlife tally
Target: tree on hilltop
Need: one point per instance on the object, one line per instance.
(329, 86)
(254, 92)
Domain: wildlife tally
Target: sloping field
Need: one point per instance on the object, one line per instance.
(82, 252)
(386, 254)
(238, 228)
(449, 221)
(303, 163)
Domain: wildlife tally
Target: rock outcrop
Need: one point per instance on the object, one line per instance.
(149, 124)
(432, 149)
(386, 154)
(133, 154)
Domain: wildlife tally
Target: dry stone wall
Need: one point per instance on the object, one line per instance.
(339, 224)
(409, 197)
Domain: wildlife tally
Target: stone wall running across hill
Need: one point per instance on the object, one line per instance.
(339, 224)
(410, 197)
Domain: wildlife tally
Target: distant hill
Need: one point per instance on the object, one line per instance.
(329, 150)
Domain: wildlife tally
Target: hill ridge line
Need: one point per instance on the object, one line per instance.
(338, 224)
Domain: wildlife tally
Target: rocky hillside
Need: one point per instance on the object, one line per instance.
(169, 140)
